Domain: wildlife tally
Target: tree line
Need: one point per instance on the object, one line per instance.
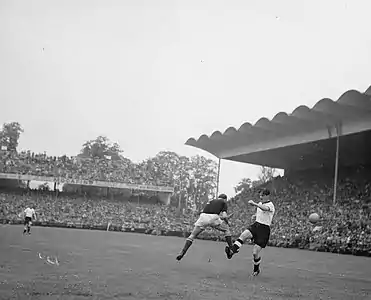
(194, 178)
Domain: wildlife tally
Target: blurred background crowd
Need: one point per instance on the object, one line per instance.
(345, 226)
(82, 168)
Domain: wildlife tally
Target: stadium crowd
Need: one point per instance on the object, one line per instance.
(78, 168)
(344, 228)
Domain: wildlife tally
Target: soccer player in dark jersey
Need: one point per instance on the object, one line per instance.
(213, 215)
(259, 231)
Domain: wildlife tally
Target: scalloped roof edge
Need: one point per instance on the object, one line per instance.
(351, 98)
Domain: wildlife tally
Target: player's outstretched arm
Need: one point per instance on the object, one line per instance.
(230, 215)
(225, 217)
(261, 206)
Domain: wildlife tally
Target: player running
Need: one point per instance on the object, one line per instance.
(29, 215)
(259, 231)
(214, 215)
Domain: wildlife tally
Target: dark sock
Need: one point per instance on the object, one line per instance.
(237, 245)
(187, 244)
(229, 241)
(257, 264)
(28, 229)
(24, 231)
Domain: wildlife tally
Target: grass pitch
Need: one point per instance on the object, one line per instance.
(112, 265)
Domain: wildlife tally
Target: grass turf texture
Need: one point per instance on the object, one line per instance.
(113, 265)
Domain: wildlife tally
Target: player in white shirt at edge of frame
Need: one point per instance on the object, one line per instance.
(258, 232)
(29, 215)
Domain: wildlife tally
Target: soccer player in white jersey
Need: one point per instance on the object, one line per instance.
(259, 231)
(29, 215)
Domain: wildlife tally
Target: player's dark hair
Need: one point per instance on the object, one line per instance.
(223, 196)
(265, 192)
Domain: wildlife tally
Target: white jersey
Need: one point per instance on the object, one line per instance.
(29, 212)
(265, 217)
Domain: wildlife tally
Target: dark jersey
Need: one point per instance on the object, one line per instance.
(215, 206)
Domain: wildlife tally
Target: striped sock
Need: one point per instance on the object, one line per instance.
(237, 245)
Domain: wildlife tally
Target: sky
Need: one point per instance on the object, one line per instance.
(150, 74)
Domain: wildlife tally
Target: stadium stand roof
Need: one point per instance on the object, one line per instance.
(304, 139)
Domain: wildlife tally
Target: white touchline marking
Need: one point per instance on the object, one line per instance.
(47, 260)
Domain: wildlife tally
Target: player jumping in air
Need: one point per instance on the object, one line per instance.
(214, 215)
(259, 231)
(29, 215)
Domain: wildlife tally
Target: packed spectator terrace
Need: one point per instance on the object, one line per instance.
(77, 168)
(346, 227)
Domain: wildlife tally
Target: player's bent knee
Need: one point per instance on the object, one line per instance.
(196, 231)
(246, 235)
(191, 237)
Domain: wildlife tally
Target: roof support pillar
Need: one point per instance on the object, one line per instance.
(218, 179)
(338, 133)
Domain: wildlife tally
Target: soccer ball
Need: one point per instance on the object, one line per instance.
(314, 218)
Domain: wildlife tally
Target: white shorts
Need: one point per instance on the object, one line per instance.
(210, 220)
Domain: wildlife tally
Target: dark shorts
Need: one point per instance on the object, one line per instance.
(260, 234)
(27, 220)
